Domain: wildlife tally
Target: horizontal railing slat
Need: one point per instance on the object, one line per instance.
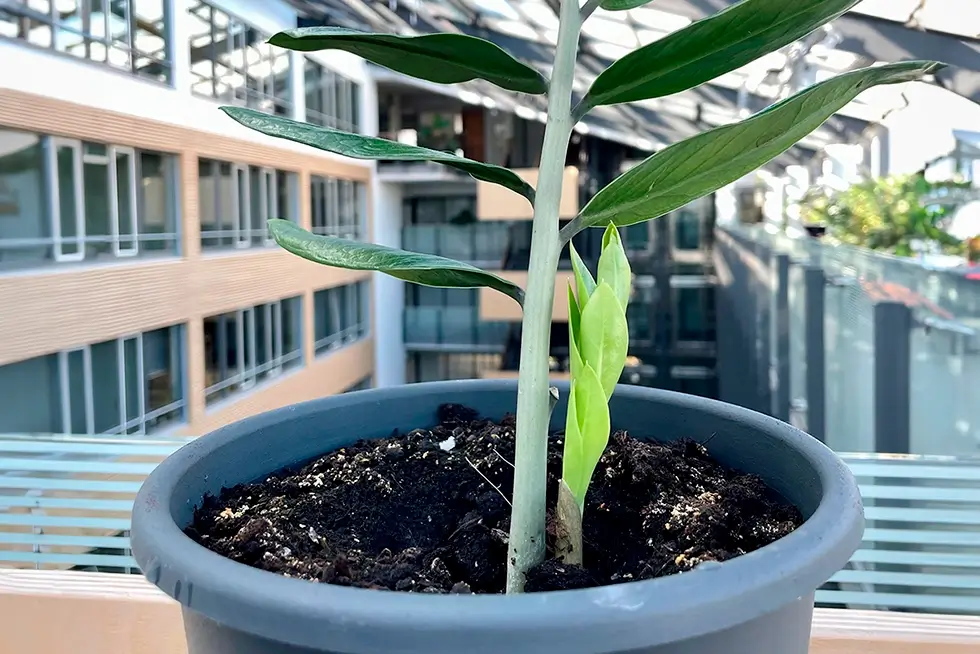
(922, 537)
(67, 447)
(68, 484)
(69, 467)
(84, 503)
(116, 542)
(954, 603)
(40, 558)
(869, 491)
(906, 470)
(81, 522)
(896, 557)
(925, 516)
(916, 579)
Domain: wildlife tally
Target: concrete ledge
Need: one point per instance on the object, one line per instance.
(91, 613)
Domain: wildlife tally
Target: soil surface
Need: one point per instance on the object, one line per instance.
(429, 512)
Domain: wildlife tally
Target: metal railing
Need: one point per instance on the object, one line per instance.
(867, 352)
(66, 501)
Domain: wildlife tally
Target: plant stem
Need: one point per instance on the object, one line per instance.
(589, 7)
(527, 546)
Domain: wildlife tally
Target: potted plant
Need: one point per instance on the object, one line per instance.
(432, 488)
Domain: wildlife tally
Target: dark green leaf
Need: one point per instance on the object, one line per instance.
(440, 58)
(424, 269)
(704, 163)
(369, 147)
(709, 48)
(622, 5)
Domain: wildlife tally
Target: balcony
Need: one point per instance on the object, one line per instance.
(494, 202)
(103, 613)
(414, 172)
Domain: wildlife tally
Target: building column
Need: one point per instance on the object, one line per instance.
(305, 215)
(309, 328)
(196, 374)
(297, 85)
(388, 293)
(178, 45)
(189, 214)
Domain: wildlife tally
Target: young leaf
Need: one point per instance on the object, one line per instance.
(709, 48)
(369, 147)
(704, 163)
(614, 267)
(441, 58)
(424, 269)
(586, 433)
(574, 322)
(584, 283)
(604, 337)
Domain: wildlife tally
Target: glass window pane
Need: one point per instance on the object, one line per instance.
(20, 21)
(97, 210)
(285, 183)
(105, 387)
(291, 326)
(25, 229)
(68, 209)
(156, 215)
(132, 381)
(30, 397)
(77, 403)
(263, 334)
(355, 107)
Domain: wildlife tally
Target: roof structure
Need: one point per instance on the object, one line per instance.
(875, 31)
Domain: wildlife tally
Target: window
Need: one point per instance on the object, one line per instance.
(236, 201)
(68, 200)
(341, 316)
(131, 385)
(332, 100)
(231, 61)
(338, 207)
(440, 366)
(130, 35)
(251, 345)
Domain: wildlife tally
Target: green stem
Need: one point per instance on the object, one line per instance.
(527, 546)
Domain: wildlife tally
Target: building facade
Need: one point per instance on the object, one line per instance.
(139, 289)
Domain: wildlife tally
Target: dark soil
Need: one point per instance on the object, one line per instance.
(427, 512)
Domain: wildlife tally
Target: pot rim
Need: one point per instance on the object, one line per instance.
(708, 598)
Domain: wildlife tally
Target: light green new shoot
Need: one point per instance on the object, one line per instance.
(598, 338)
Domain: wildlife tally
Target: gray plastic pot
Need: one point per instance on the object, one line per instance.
(759, 603)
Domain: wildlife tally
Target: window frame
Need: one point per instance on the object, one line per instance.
(55, 143)
(114, 217)
(125, 425)
(247, 371)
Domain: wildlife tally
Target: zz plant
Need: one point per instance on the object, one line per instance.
(663, 182)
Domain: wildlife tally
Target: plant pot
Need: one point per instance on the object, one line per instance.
(758, 603)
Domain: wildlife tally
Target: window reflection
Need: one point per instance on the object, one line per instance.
(129, 35)
(56, 201)
(332, 100)
(231, 61)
